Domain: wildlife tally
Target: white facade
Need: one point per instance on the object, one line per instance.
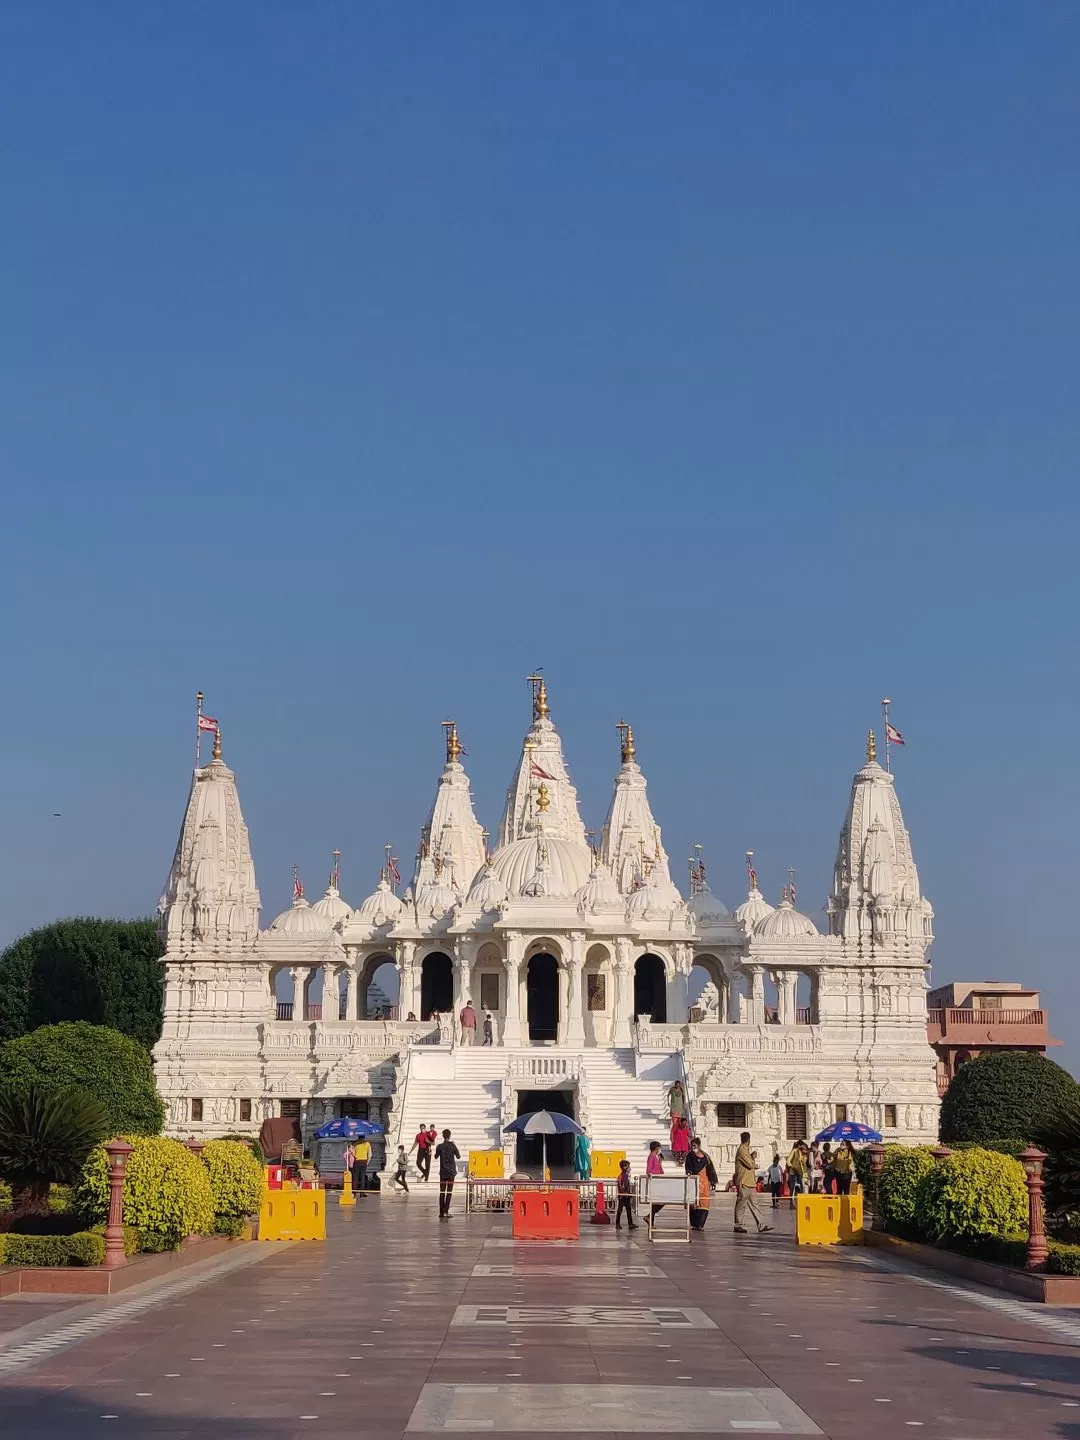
(584, 957)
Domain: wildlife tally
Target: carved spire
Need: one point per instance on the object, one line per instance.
(453, 834)
(541, 760)
(630, 843)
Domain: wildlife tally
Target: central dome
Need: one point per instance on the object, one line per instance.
(518, 865)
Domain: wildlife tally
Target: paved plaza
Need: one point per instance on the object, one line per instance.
(402, 1326)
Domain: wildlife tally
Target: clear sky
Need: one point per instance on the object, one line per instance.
(720, 359)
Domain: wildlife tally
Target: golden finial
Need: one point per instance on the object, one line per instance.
(541, 700)
(453, 744)
(871, 747)
(627, 748)
(217, 743)
(543, 799)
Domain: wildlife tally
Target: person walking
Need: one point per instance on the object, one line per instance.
(680, 1139)
(422, 1146)
(624, 1189)
(746, 1188)
(489, 1028)
(654, 1165)
(447, 1155)
(401, 1167)
(361, 1160)
(843, 1167)
(796, 1171)
(468, 1024)
(701, 1165)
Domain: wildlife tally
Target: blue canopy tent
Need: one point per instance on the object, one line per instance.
(544, 1123)
(347, 1129)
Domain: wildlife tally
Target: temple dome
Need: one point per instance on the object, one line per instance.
(488, 890)
(519, 867)
(332, 907)
(706, 908)
(753, 910)
(301, 921)
(435, 896)
(786, 923)
(600, 891)
(382, 906)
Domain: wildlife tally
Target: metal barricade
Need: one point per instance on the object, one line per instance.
(495, 1195)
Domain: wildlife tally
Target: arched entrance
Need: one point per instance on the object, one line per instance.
(650, 988)
(542, 992)
(436, 985)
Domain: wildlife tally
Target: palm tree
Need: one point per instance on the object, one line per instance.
(45, 1137)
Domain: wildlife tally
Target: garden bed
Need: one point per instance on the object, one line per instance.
(1046, 1289)
(98, 1280)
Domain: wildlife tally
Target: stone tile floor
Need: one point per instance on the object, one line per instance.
(374, 1334)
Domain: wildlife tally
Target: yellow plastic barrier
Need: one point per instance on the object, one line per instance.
(293, 1215)
(486, 1164)
(605, 1164)
(828, 1220)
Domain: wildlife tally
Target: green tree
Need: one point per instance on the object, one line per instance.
(45, 1138)
(107, 972)
(1005, 1096)
(111, 1067)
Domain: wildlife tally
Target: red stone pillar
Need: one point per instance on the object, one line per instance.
(195, 1146)
(117, 1151)
(877, 1159)
(1037, 1249)
(940, 1153)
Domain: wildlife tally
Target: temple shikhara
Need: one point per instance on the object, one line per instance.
(604, 985)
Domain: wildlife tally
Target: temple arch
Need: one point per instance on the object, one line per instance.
(542, 986)
(436, 985)
(650, 988)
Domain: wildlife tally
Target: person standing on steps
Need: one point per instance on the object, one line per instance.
(746, 1188)
(489, 1028)
(468, 1024)
(447, 1155)
(422, 1146)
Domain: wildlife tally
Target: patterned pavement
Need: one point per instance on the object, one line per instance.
(402, 1325)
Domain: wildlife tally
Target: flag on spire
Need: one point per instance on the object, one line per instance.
(892, 734)
(395, 873)
(536, 772)
(206, 723)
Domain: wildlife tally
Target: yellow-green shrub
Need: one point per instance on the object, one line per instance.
(167, 1193)
(33, 1251)
(902, 1169)
(973, 1195)
(235, 1177)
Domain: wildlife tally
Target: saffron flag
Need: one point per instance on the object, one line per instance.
(893, 735)
(395, 873)
(535, 770)
(297, 888)
(205, 723)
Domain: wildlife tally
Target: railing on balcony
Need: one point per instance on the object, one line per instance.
(286, 1008)
(997, 1017)
(802, 1015)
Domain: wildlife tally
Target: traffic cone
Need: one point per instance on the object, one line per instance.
(601, 1215)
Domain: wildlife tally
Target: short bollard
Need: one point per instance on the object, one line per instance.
(601, 1215)
(347, 1197)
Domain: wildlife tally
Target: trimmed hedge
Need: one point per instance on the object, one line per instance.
(973, 1195)
(235, 1176)
(901, 1173)
(167, 1194)
(113, 1068)
(1011, 1094)
(36, 1251)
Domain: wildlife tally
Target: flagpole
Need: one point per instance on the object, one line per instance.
(198, 727)
(885, 712)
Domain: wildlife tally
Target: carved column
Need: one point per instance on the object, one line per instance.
(756, 1003)
(624, 994)
(118, 1152)
(331, 1003)
(575, 1021)
(299, 975)
(512, 1022)
(678, 988)
(408, 978)
(351, 979)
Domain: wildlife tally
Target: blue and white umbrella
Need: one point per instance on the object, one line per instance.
(848, 1130)
(347, 1129)
(544, 1123)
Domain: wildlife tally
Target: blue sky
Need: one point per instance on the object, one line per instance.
(722, 360)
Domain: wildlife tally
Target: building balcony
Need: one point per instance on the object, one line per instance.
(986, 1029)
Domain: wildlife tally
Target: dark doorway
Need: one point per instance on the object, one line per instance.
(542, 990)
(560, 1148)
(436, 985)
(650, 988)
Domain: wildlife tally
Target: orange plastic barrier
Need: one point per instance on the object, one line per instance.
(546, 1215)
(601, 1215)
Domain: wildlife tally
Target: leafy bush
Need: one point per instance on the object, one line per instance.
(973, 1195)
(901, 1172)
(252, 1143)
(167, 1193)
(230, 1225)
(107, 972)
(114, 1069)
(34, 1251)
(1005, 1097)
(235, 1177)
(1059, 1136)
(46, 1135)
(1064, 1259)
